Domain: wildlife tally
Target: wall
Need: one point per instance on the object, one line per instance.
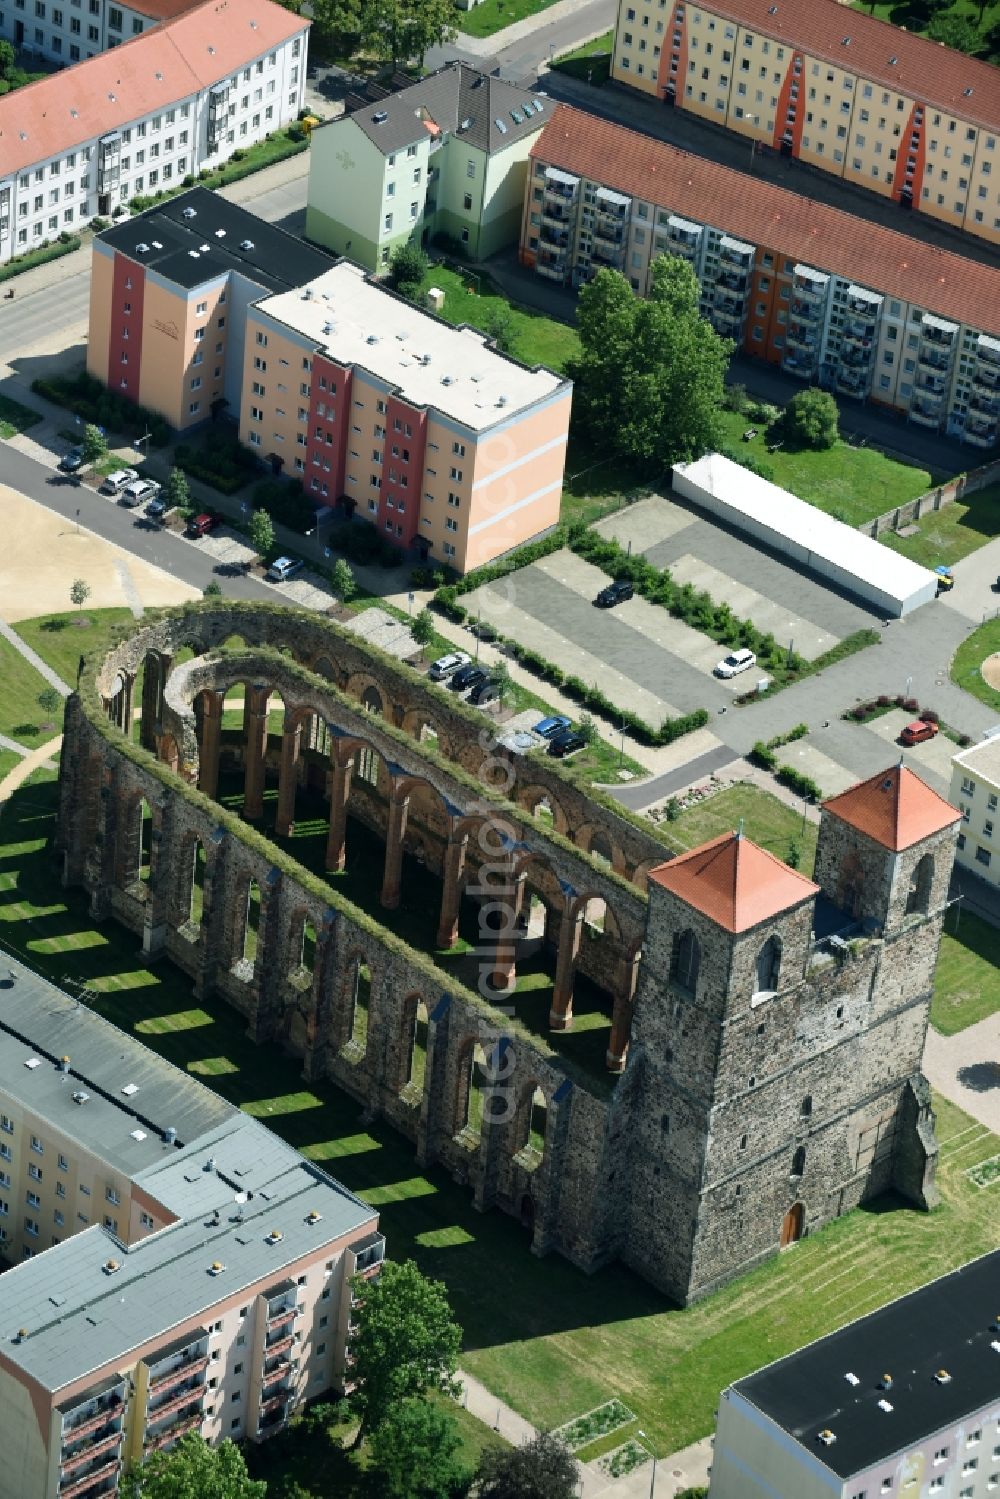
(933, 499)
(102, 276)
(347, 174)
(752, 1458)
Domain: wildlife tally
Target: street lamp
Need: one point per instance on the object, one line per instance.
(752, 120)
(643, 1441)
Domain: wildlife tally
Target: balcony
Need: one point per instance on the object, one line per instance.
(809, 312)
(925, 417)
(173, 1433)
(271, 1350)
(931, 387)
(557, 215)
(932, 359)
(724, 300)
(733, 280)
(176, 1403)
(369, 1253)
(856, 357)
(863, 305)
(275, 1403)
(281, 1317)
(982, 434)
(106, 1412)
(986, 405)
(857, 332)
(988, 351)
(561, 186)
(811, 286)
(937, 332)
(278, 1370)
(800, 365)
(986, 378)
(853, 382)
(95, 1450)
(555, 238)
(90, 1481)
(182, 1371)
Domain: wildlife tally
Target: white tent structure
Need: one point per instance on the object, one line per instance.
(890, 583)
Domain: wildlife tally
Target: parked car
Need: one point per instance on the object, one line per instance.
(138, 492)
(918, 732)
(945, 579)
(156, 509)
(566, 743)
(484, 692)
(116, 482)
(734, 663)
(283, 568)
(467, 676)
(554, 724)
(615, 593)
(202, 524)
(71, 461)
(446, 666)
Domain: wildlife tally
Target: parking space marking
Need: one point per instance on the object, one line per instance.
(769, 617)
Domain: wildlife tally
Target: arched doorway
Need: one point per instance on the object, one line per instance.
(528, 1212)
(791, 1225)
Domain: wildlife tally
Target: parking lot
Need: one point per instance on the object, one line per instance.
(843, 752)
(640, 655)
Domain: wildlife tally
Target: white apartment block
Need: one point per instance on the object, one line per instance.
(975, 791)
(168, 1264)
(70, 31)
(144, 116)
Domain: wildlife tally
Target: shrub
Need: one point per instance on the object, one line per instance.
(910, 704)
(796, 781)
(928, 716)
(762, 755)
(883, 700)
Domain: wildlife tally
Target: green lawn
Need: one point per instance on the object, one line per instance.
(969, 657)
(967, 981)
(537, 339)
(551, 1341)
(21, 718)
(915, 15)
(60, 639)
(854, 484)
(494, 15)
(8, 760)
(947, 535)
(16, 418)
(591, 63)
(768, 821)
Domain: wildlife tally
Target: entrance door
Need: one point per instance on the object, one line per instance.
(791, 1226)
(18, 33)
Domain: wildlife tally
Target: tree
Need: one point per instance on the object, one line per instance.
(540, 1469)
(956, 31)
(262, 533)
(414, 1451)
(407, 268)
(8, 58)
(338, 24)
(406, 1342)
(176, 491)
(400, 31)
(500, 327)
(50, 701)
(193, 1470)
(650, 375)
(79, 592)
(342, 578)
(422, 628)
(811, 418)
(503, 681)
(212, 590)
(95, 444)
(587, 728)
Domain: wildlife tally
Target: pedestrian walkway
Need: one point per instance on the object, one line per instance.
(681, 1470)
(966, 1069)
(22, 647)
(499, 41)
(41, 758)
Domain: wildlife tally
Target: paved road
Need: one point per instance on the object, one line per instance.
(183, 559)
(660, 787)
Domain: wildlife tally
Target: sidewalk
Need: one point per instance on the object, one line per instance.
(34, 659)
(517, 31)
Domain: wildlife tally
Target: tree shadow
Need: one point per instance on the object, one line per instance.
(980, 1077)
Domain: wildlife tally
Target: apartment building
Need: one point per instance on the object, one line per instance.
(443, 443)
(169, 292)
(146, 115)
(867, 101)
(448, 155)
(905, 1401)
(74, 30)
(175, 1266)
(849, 305)
(975, 791)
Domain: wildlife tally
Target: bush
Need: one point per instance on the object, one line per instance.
(794, 779)
(225, 465)
(811, 419)
(407, 266)
(763, 756)
(928, 716)
(92, 402)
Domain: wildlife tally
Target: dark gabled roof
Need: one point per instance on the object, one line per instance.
(456, 100)
(191, 250)
(949, 1329)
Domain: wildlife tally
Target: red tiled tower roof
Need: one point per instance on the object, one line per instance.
(733, 882)
(794, 226)
(895, 808)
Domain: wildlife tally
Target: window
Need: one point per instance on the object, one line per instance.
(983, 856)
(112, 1196)
(686, 961)
(31, 1227)
(34, 1172)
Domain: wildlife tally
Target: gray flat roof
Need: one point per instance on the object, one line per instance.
(228, 1180)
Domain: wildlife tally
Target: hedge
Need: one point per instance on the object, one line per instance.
(93, 402)
(225, 466)
(41, 256)
(794, 779)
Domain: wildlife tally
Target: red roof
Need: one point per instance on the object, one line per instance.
(162, 10)
(797, 228)
(888, 55)
(895, 808)
(165, 66)
(735, 883)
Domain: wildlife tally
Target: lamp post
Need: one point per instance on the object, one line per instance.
(643, 1440)
(752, 120)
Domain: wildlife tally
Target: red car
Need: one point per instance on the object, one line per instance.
(202, 524)
(918, 732)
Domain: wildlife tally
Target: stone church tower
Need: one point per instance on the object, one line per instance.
(774, 1075)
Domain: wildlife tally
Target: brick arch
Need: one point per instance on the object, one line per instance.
(464, 1055)
(521, 1123)
(596, 840)
(641, 872)
(409, 1013)
(344, 1007)
(129, 850)
(361, 683)
(530, 797)
(415, 720)
(323, 666)
(168, 751)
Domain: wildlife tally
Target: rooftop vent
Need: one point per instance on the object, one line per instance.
(967, 92)
(327, 327)
(380, 116)
(446, 379)
(80, 1097)
(246, 244)
(110, 1266)
(501, 400)
(465, 125)
(852, 1379)
(845, 41)
(190, 213)
(159, 77)
(500, 125)
(64, 1064)
(137, 1134)
(274, 1237)
(312, 1216)
(142, 248)
(216, 1267)
(772, 10)
(885, 1383)
(220, 233)
(425, 359)
(194, 255)
(20, 1335)
(170, 1134)
(129, 1089)
(372, 338)
(995, 1345)
(32, 1062)
(893, 61)
(941, 1376)
(826, 1436)
(885, 1405)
